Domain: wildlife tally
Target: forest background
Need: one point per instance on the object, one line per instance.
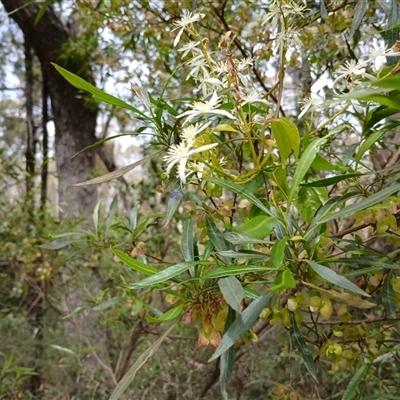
(246, 210)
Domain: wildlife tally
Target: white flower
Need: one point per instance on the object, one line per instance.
(378, 54)
(191, 47)
(208, 84)
(187, 19)
(190, 132)
(179, 154)
(221, 68)
(383, 52)
(245, 63)
(309, 103)
(288, 37)
(254, 97)
(199, 63)
(295, 9)
(208, 107)
(274, 16)
(352, 69)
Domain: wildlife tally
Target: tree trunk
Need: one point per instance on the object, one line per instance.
(74, 114)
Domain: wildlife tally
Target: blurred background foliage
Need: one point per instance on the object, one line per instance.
(69, 328)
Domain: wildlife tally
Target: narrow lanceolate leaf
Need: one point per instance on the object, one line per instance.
(242, 324)
(355, 382)
(302, 348)
(168, 316)
(215, 235)
(232, 291)
(167, 274)
(174, 200)
(135, 264)
(227, 359)
(332, 277)
(371, 139)
(330, 181)
(246, 254)
(98, 94)
(363, 204)
(388, 298)
(60, 243)
(105, 305)
(240, 238)
(304, 165)
(242, 192)
(114, 174)
(287, 138)
(95, 216)
(130, 375)
(236, 270)
(187, 240)
(359, 12)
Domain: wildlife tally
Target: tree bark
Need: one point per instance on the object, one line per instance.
(74, 115)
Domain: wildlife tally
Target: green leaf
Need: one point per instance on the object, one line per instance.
(174, 200)
(388, 298)
(388, 101)
(287, 138)
(304, 165)
(257, 227)
(236, 270)
(104, 305)
(308, 202)
(359, 12)
(187, 240)
(167, 274)
(278, 252)
(366, 145)
(283, 281)
(135, 264)
(130, 375)
(239, 238)
(363, 204)
(215, 235)
(95, 216)
(42, 10)
(323, 10)
(355, 382)
(377, 115)
(111, 213)
(302, 348)
(232, 291)
(227, 358)
(242, 324)
(241, 191)
(100, 142)
(60, 243)
(390, 82)
(246, 254)
(114, 174)
(332, 277)
(170, 315)
(224, 128)
(321, 164)
(330, 181)
(98, 94)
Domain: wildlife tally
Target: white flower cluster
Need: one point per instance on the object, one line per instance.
(218, 81)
